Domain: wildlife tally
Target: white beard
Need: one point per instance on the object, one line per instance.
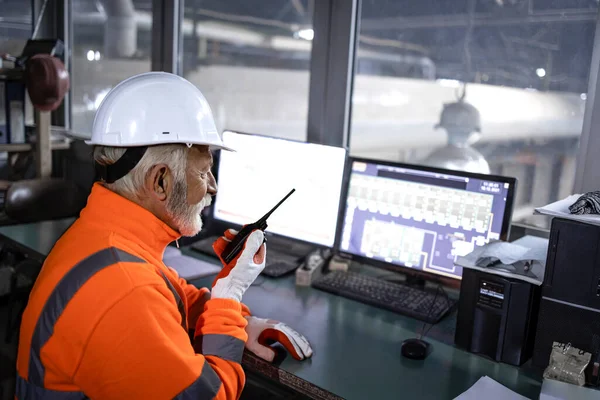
(186, 217)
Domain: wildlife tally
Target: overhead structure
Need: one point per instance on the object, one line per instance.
(120, 28)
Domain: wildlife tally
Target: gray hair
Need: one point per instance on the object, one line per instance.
(130, 186)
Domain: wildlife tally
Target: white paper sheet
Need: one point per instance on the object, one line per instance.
(527, 248)
(555, 390)
(561, 209)
(538, 247)
(488, 389)
(506, 252)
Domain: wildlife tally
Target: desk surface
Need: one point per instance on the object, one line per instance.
(356, 346)
(38, 237)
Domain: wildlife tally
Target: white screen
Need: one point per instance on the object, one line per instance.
(262, 170)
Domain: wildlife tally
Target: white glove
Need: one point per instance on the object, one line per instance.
(263, 332)
(237, 276)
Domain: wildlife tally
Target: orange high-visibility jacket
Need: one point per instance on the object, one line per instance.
(107, 319)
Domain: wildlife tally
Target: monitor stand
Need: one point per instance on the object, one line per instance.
(415, 281)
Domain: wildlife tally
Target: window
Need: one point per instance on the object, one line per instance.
(15, 28)
(525, 65)
(251, 60)
(111, 42)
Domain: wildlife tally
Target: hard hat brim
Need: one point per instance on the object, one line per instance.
(210, 145)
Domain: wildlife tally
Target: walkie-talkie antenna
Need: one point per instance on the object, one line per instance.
(267, 215)
(237, 244)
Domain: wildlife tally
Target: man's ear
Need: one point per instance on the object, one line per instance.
(159, 181)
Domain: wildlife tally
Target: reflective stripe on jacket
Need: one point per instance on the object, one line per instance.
(107, 319)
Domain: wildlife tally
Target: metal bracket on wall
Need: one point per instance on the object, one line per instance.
(43, 150)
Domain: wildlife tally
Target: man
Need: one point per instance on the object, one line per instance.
(106, 318)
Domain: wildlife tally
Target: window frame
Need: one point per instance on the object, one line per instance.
(587, 172)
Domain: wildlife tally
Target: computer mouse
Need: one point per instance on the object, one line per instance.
(415, 349)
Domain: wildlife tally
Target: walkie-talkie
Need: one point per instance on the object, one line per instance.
(237, 244)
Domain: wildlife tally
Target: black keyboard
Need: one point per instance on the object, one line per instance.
(277, 268)
(278, 264)
(398, 298)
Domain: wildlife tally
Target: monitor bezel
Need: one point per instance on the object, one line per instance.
(431, 276)
(268, 233)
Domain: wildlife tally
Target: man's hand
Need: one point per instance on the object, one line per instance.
(237, 276)
(263, 332)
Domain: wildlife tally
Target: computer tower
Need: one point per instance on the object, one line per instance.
(497, 316)
(570, 305)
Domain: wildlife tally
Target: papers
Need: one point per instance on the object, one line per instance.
(488, 389)
(510, 259)
(555, 390)
(561, 209)
(188, 267)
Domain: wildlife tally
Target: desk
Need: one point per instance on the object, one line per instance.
(356, 346)
(35, 239)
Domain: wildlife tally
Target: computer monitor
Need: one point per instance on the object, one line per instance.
(418, 218)
(262, 170)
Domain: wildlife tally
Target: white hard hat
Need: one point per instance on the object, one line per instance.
(155, 108)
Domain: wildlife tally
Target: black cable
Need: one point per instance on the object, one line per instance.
(440, 287)
(389, 277)
(437, 290)
(445, 296)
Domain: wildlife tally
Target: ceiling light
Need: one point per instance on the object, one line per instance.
(541, 72)
(306, 34)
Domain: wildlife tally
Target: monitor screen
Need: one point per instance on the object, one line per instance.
(421, 218)
(262, 170)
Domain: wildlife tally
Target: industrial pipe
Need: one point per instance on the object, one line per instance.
(120, 28)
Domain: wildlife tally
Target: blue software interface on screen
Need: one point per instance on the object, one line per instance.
(419, 219)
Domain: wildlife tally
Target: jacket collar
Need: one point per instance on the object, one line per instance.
(129, 220)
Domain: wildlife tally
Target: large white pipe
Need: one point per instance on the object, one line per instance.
(389, 114)
(120, 28)
(403, 112)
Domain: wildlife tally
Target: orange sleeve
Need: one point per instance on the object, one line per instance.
(140, 350)
(246, 311)
(196, 299)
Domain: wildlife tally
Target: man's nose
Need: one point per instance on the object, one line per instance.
(212, 184)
